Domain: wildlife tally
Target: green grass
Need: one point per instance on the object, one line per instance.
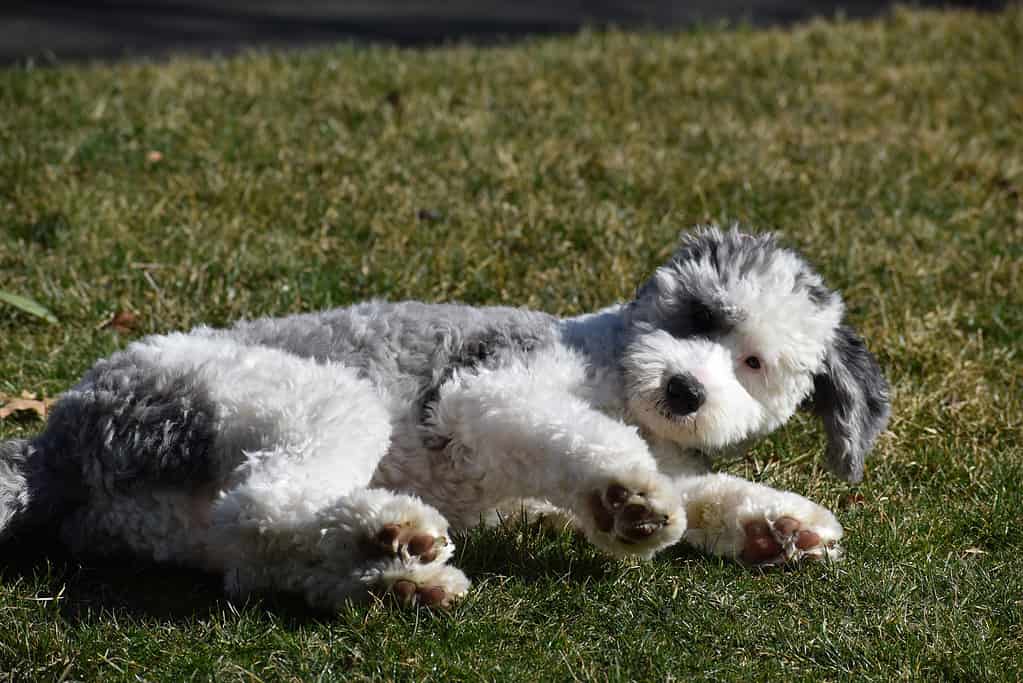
(553, 174)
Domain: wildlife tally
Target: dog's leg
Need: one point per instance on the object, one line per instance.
(297, 514)
(756, 524)
(156, 431)
(518, 433)
(272, 537)
(249, 461)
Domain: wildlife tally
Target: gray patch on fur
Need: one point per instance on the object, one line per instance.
(34, 488)
(14, 491)
(728, 251)
(689, 305)
(815, 290)
(408, 348)
(600, 336)
(125, 424)
(127, 421)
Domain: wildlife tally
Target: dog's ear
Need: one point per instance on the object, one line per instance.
(850, 395)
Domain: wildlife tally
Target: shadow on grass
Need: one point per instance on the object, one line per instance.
(47, 231)
(529, 551)
(88, 589)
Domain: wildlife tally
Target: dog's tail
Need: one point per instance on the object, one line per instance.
(28, 497)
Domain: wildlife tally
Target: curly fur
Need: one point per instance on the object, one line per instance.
(329, 453)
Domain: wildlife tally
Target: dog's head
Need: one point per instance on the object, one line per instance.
(732, 335)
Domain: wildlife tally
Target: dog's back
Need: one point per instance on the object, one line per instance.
(408, 348)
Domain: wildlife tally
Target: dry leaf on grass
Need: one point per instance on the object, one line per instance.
(27, 402)
(121, 321)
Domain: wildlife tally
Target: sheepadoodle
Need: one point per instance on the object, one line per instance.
(329, 454)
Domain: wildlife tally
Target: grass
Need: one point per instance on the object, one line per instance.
(553, 174)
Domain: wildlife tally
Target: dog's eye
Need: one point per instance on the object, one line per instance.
(753, 362)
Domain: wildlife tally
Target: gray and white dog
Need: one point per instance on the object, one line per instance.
(329, 453)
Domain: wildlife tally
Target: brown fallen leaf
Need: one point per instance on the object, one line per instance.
(154, 156)
(20, 405)
(121, 321)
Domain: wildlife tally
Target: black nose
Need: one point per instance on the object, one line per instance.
(684, 394)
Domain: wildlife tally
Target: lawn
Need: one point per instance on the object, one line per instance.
(553, 173)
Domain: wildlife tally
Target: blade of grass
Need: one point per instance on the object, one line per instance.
(27, 305)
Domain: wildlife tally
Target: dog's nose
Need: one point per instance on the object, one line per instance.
(685, 394)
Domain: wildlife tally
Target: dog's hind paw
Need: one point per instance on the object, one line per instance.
(407, 530)
(428, 587)
(786, 540)
(634, 515)
(410, 543)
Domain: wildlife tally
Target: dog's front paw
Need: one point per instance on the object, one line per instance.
(636, 515)
(757, 525)
(788, 540)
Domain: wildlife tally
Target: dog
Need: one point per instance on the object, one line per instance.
(329, 454)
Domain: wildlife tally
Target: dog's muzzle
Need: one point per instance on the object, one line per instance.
(684, 394)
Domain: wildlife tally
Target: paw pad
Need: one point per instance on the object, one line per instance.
(627, 514)
(400, 539)
(783, 541)
(410, 593)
